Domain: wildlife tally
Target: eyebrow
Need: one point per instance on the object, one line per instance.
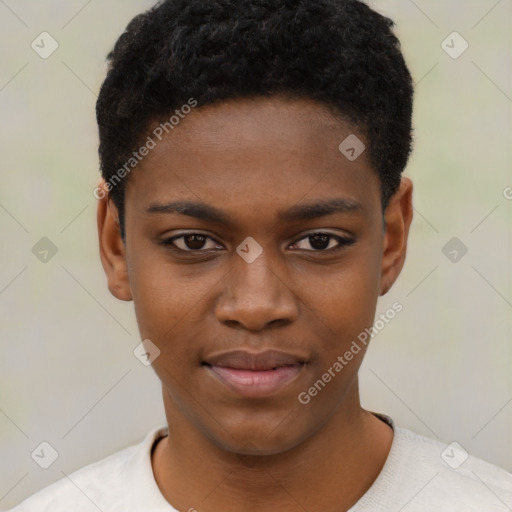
(300, 212)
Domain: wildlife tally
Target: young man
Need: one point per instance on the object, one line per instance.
(253, 209)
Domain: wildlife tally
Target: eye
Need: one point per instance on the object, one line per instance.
(191, 242)
(317, 242)
(322, 242)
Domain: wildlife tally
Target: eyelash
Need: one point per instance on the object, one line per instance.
(342, 242)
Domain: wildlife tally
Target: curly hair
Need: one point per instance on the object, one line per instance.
(338, 52)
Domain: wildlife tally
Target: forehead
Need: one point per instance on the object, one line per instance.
(257, 122)
(254, 152)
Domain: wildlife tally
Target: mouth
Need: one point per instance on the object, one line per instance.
(255, 374)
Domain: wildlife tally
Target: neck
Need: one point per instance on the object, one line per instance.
(331, 470)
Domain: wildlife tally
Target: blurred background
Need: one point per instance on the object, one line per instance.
(442, 367)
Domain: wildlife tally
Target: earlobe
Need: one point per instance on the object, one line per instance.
(112, 247)
(398, 218)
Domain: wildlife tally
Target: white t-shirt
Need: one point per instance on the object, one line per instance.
(420, 475)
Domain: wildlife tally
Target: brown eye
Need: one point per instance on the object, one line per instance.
(320, 241)
(323, 242)
(191, 242)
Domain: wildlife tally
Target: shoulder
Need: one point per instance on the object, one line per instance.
(101, 485)
(447, 478)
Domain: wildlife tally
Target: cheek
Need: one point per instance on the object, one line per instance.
(343, 315)
(171, 307)
(346, 298)
(167, 315)
(160, 296)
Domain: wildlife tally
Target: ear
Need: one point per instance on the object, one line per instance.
(112, 248)
(398, 217)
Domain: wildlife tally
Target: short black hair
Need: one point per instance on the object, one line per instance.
(338, 52)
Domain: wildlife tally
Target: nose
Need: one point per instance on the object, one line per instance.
(255, 297)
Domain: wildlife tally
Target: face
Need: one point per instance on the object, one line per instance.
(255, 254)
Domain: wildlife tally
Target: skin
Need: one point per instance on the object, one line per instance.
(253, 159)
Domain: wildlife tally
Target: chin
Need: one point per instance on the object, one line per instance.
(261, 438)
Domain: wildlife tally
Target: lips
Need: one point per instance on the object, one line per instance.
(244, 360)
(252, 374)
